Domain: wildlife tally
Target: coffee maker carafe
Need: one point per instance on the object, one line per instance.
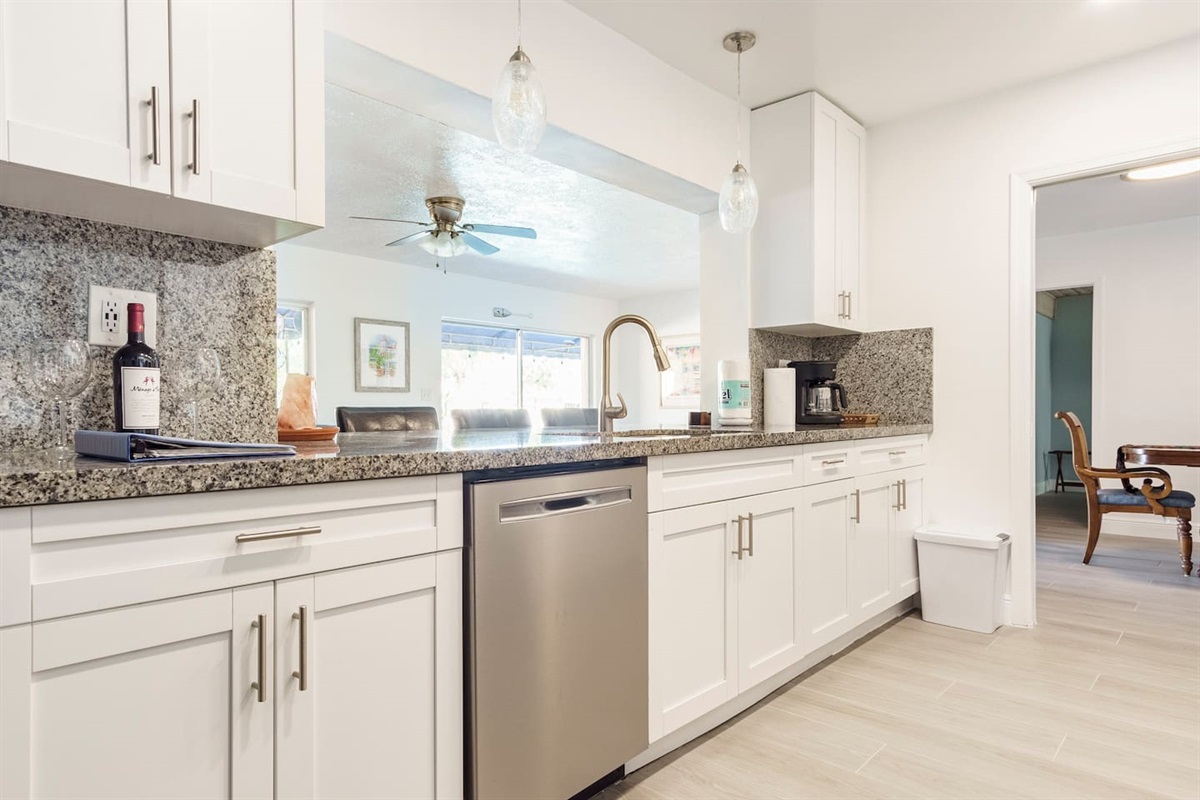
(820, 400)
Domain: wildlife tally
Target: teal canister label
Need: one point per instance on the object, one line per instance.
(735, 395)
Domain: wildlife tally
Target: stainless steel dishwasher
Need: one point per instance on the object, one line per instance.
(557, 628)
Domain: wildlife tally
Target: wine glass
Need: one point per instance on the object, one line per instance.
(200, 378)
(61, 369)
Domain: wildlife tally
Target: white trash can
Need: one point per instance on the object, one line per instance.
(962, 578)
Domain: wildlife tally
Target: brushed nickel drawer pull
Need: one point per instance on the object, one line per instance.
(896, 452)
(740, 520)
(302, 673)
(833, 462)
(857, 506)
(286, 534)
(260, 685)
(155, 154)
(750, 521)
(194, 116)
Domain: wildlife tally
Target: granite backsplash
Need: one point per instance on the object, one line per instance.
(887, 372)
(209, 295)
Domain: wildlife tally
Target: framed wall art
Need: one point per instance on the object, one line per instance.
(381, 356)
(679, 387)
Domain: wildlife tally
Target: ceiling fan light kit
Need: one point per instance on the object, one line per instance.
(519, 102)
(738, 203)
(445, 237)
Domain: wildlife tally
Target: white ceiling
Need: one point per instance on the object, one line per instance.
(593, 238)
(1108, 202)
(883, 59)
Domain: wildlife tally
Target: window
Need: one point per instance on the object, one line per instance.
(293, 342)
(489, 366)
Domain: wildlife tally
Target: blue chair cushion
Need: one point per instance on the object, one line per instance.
(1120, 497)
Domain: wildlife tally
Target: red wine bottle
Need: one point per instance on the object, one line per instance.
(137, 383)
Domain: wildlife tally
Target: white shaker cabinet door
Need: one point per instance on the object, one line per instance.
(86, 89)
(770, 635)
(149, 701)
(693, 614)
(848, 203)
(369, 669)
(242, 101)
(909, 517)
(826, 607)
(872, 550)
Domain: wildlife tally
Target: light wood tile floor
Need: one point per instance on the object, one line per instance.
(1100, 700)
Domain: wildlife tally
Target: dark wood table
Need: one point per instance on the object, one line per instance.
(1164, 455)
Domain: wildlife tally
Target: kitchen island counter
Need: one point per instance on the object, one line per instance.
(33, 479)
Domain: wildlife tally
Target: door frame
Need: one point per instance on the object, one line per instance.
(1022, 343)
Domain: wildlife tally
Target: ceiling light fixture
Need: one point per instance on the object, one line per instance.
(519, 102)
(738, 204)
(1157, 172)
(445, 244)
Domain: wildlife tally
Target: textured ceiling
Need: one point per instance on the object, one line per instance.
(593, 237)
(1108, 202)
(883, 59)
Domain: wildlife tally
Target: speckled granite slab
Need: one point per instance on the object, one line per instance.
(209, 295)
(33, 480)
(886, 372)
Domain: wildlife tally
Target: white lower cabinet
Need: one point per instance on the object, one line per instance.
(826, 607)
(909, 517)
(720, 623)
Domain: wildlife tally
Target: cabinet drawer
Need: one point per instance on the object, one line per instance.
(90, 556)
(695, 478)
(888, 454)
(829, 462)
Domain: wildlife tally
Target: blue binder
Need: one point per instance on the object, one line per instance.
(137, 448)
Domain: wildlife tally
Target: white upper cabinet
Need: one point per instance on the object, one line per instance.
(809, 161)
(238, 96)
(218, 104)
(87, 89)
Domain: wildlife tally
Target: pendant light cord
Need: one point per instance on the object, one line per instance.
(738, 110)
(518, 24)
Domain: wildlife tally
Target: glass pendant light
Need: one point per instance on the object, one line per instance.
(738, 204)
(519, 102)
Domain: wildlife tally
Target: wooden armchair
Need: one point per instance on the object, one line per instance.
(1146, 499)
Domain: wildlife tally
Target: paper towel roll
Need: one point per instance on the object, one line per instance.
(779, 398)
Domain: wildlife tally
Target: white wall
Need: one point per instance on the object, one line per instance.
(343, 287)
(724, 301)
(938, 237)
(635, 375)
(1146, 335)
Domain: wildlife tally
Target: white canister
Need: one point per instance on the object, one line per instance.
(733, 392)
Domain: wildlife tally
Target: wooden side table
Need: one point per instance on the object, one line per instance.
(1059, 482)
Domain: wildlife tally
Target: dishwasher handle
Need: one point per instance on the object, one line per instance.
(551, 505)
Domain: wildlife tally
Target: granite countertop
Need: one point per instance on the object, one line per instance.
(35, 479)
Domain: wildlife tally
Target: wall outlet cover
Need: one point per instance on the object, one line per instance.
(107, 315)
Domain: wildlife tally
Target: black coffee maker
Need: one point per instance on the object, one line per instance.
(820, 400)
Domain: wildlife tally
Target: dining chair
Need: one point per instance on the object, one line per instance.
(355, 419)
(1146, 499)
(570, 417)
(494, 418)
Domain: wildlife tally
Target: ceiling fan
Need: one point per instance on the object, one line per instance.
(445, 236)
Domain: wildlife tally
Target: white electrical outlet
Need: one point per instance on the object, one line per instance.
(108, 315)
(426, 395)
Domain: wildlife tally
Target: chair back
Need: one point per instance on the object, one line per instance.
(1079, 451)
(355, 419)
(570, 417)
(493, 418)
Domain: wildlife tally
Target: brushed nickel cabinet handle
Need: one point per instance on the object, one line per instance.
(155, 156)
(849, 305)
(750, 525)
(899, 503)
(857, 506)
(194, 116)
(302, 673)
(260, 685)
(904, 493)
(833, 462)
(841, 305)
(285, 534)
(896, 452)
(740, 520)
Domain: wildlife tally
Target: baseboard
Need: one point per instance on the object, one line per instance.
(698, 727)
(1145, 526)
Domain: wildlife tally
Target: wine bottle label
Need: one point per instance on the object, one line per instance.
(140, 397)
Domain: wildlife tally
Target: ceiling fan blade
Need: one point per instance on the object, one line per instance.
(479, 245)
(503, 230)
(412, 238)
(389, 219)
